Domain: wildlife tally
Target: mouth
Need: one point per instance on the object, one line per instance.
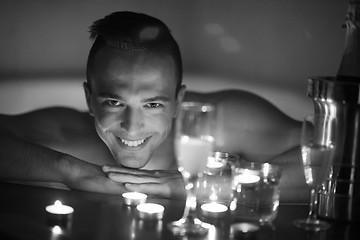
(133, 143)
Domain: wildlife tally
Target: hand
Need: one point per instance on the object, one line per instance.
(160, 183)
(293, 187)
(84, 176)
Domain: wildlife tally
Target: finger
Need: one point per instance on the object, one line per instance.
(149, 173)
(155, 189)
(133, 178)
(108, 169)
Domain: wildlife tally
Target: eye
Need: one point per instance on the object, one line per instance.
(154, 105)
(112, 103)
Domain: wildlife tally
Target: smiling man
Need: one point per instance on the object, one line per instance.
(134, 88)
(133, 99)
(125, 142)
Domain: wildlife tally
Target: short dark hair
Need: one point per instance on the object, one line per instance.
(134, 32)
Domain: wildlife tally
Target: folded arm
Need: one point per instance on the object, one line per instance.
(25, 161)
(28, 162)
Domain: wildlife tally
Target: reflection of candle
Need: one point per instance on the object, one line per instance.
(243, 231)
(150, 211)
(56, 230)
(59, 208)
(246, 177)
(134, 198)
(238, 228)
(213, 209)
(56, 233)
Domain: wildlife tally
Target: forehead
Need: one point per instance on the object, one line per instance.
(130, 70)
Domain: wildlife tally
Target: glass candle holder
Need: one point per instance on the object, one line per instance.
(256, 192)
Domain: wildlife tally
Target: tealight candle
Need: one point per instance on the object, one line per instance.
(59, 208)
(214, 164)
(246, 178)
(213, 209)
(134, 198)
(59, 214)
(150, 211)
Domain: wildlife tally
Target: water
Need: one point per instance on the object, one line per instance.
(193, 153)
(257, 202)
(316, 161)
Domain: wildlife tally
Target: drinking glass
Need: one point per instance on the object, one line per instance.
(214, 191)
(317, 150)
(256, 192)
(194, 141)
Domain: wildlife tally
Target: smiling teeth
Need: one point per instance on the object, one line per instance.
(132, 143)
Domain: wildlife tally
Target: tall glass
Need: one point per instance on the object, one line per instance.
(317, 150)
(194, 140)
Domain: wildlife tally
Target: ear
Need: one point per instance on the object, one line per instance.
(179, 99)
(87, 91)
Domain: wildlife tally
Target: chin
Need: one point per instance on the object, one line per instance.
(132, 166)
(131, 162)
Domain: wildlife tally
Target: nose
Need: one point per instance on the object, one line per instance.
(132, 119)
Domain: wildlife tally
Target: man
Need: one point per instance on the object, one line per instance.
(125, 142)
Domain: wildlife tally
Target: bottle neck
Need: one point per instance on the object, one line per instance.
(350, 64)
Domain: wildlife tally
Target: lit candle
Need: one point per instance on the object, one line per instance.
(150, 211)
(59, 208)
(134, 198)
(213, 209)
(213, 163)
(59, 214)
(246, 177)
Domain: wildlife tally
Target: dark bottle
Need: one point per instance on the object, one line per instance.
(339, 97)
(349, 69)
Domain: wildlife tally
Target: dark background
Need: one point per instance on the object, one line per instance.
(260, 45)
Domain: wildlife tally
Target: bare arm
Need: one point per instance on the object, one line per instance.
(293, 187)
(26, 161)
(28, 155)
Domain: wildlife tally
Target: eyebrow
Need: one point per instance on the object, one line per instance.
(107, 95)
(157, 98)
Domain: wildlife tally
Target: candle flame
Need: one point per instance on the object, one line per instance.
(58, 203)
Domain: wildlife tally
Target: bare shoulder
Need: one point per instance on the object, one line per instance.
(53, 114)
(62, 129)
(45, 124)
(246, 108)
(249, 124)
(239, 101)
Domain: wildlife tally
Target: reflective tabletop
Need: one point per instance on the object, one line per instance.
(103, 216)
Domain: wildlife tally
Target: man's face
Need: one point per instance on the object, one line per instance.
(133, 100)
